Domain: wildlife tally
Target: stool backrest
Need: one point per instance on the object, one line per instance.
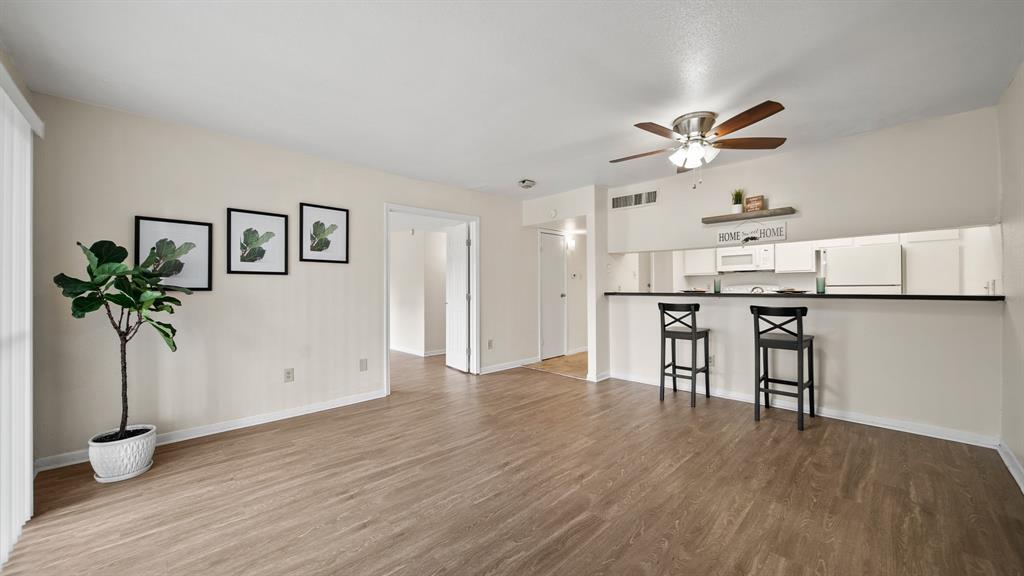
(678, 316)
(765, 315)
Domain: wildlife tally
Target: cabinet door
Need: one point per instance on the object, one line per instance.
(699, 262)
(834, 242)
(794, 257)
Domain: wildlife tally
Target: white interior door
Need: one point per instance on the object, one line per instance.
(552, 295)
(457, 298)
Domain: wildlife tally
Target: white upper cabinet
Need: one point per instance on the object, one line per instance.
(699, 262)
(795, 257)
(832, 243)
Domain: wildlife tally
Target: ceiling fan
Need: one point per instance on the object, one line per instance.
(698, 143)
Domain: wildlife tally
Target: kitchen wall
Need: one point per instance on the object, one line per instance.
(417, 275)
(1011, 136)
(98, 168)
(907, 177)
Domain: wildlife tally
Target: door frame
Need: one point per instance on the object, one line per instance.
(540, 280)
(474, 282)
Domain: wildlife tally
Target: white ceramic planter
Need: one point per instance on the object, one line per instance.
(122, 459)
(737, 208)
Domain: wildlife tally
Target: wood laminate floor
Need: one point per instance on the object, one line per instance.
(524, 472)
(573, 365)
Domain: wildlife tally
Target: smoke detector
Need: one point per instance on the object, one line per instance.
(526, 183)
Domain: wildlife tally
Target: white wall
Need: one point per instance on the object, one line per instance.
(903, 178)
(407, 314)
(433, 295)
(932, 367)
(1011, 135)
(98, 168)
(576, 289)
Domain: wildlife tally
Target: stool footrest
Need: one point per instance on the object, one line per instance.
(782, 392)
(786, 382)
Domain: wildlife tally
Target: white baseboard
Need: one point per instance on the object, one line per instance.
(77, 456)
(575, 350)
(509, 365)
(405, 350)
(434, 352)
(1012, 464)
(877, 421)
(600, 377)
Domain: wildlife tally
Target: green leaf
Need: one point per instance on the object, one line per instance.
(149, 296)
(170, 288)
(107, 252)
(264, 238)
(121, 299)
(93, 261)
(170, 268)
(165, 330)
(72, 287)
(318, 229)
(149, 259)
(250, 236)
(112, 269)
(183, 249)
(84, 304)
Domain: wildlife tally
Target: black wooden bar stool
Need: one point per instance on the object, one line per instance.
(679, 322)
(777, 336)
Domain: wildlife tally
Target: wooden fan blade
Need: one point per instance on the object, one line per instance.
(659, 130)
(748, 117)
(651, 153)
(748, 143)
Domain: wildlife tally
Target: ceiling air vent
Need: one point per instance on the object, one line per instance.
(634, 200)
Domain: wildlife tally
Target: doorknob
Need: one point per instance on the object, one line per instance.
(563, 295)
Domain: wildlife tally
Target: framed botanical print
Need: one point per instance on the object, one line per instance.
(324, 234)
(182, 250)
(257, 242)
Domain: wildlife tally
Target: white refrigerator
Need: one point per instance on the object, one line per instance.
(864, 269)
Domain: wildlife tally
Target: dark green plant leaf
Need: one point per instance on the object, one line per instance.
(72, 287)
(107, 252)
(170, 268)
(84, 304)
(165, 330)
(121, 299)
(318, 237)
(149, 259)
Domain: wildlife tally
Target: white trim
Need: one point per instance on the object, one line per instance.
(877, 421)
(509, 365)
(565, 284)
(575, 350)
(437, 352)
(18, 99)
(1012, 464)
(475, 359)
(415, 352)
(77, 456)
(601, 376)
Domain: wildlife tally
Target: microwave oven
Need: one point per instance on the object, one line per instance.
(746, 258)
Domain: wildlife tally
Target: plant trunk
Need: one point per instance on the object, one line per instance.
(124, 388)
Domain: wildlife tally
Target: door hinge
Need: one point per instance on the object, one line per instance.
(469, 242)
(468, 297)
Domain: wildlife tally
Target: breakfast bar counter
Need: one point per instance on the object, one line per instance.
(903, 361)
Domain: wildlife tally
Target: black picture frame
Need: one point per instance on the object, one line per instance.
(304, 255)
(231, 239)
(140, 221)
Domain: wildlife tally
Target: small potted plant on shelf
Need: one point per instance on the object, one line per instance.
(737, 201)
(130, 297)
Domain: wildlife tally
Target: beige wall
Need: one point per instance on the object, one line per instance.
(1011, 135)
(905, 178)
(433, 292)
(99, 168)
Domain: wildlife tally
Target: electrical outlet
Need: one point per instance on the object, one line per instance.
(490, 344)
(363, 365)
(289, 375)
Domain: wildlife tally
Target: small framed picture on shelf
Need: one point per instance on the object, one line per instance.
(324, 232)
(182, 250)
(754, 203)
(257, 242)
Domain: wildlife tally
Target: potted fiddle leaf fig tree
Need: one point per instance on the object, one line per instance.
(130, 297)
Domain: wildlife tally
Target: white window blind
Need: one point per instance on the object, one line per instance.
(15, 324)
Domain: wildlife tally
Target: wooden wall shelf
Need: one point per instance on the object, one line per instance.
(786, 211)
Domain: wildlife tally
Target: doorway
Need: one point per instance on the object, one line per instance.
(561, 296)
(431, 303)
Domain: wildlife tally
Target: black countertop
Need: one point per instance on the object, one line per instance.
(955, 297)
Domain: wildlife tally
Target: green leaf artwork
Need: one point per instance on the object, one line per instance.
(165, 258)
(129, 296)
(318, 237)
(252, 245)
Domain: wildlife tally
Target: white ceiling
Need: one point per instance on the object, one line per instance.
(480, 95)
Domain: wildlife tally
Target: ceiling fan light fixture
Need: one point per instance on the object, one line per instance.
(710, 152)
(694, 152)
(678, 157)
(690, 164)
